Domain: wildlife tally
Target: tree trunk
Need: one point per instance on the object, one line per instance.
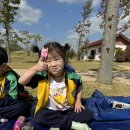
(108, 46)
(7, 43)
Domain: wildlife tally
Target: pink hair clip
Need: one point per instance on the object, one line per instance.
(44, 53)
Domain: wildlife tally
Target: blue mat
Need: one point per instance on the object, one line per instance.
(110, 125)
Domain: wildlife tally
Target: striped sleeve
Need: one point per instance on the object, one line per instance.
(77, 80)
(11, 86)
(10, 90)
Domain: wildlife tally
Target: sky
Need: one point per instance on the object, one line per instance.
(54, 20)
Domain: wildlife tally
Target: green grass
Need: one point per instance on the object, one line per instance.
(21, 60)
(84, 66)
(81, 66)
(109, 90)
(124, 63)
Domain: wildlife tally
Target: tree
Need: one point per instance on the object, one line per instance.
(82, 28)
(111, 15)
(109, 39)
(26, 39)
(14, 39)
(37, 38)
(8, 10)
(71, 54)
(2, 41)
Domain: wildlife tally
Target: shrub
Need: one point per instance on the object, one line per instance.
(127, 54)
(120, 55)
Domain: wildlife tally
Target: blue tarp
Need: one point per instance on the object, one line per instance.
(102, 110)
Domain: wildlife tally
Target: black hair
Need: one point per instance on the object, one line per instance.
(61, 50)
(67, 47)
(3, 56)
(35, 49)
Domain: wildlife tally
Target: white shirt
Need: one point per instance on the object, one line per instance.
(57, 96)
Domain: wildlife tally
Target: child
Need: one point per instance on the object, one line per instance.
(59, 92)
(11, 104)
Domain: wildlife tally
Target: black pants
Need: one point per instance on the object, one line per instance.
(62, 119)
(14, 110)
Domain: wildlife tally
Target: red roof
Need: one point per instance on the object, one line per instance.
(120, 37)
(96, 43)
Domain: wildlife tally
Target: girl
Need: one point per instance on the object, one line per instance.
(59, 92)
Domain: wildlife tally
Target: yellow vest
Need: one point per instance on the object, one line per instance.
(43, 93)
(2, 82)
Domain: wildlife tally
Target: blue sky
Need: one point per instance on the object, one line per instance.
(55, 20)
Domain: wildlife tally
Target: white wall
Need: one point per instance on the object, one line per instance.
(97, 55)
(123, 47)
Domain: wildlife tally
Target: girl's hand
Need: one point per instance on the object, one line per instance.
(78, 107)
(41, 66)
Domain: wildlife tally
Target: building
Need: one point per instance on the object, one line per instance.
(93, 50)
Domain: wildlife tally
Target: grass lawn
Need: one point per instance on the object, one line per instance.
(110, 90)
(20, 60)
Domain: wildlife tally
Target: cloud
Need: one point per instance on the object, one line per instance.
(29, 15)
(48, 25)
(123, 22)
(71, 1)
(96, 3)
(72, 39)
(95, 22)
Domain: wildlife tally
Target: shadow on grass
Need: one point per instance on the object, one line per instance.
(30, 62)
(122, 74)
(93, 69)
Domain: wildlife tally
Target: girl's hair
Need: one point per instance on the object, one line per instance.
(3, 56)
(61, 50)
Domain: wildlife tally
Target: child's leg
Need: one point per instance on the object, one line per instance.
(84, 116)
(51, 118)
(15, 110)
(64, 120)
(80, 119)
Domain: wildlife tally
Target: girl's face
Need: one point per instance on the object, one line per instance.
(55, 64)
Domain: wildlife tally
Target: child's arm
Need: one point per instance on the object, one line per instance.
(78, 104)
(27, 76)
